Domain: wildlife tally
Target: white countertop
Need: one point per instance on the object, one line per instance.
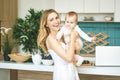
(112, 71)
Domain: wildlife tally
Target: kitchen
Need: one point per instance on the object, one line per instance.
(95, 8)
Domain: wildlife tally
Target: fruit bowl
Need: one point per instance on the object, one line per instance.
(19, 58)
(47, 62)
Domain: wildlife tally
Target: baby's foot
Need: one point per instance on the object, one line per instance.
(79, 60)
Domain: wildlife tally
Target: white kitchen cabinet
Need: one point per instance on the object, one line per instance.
(76, 5)
(85, 6)
(117, 11)
(98, 7)
(91, 6)
(106, 6)
(63, 6)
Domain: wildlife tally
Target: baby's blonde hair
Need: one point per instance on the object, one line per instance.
(71, 14)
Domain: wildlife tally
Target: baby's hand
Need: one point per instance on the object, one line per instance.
(79, 59)
(75, 62)
(94, 39)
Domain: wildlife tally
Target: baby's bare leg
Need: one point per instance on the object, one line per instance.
(77, 47)
(78, 58)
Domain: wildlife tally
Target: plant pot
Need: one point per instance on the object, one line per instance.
(36, 59)
(6, 57)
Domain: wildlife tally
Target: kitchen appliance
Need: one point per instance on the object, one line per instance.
(107, 56)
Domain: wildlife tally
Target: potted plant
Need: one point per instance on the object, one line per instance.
(25, 31)
(7, 42)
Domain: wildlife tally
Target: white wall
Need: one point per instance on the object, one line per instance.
(25, 5)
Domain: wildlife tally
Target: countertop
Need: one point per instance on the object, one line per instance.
(93, 70)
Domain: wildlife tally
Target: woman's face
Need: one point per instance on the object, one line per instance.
(53, 22)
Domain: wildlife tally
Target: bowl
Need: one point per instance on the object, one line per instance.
(88, 18)
(108, 18)
(19, 58)
(47, 62)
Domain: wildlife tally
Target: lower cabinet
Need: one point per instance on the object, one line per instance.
(37, 75)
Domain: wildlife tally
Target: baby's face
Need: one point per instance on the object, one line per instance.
(70, 22)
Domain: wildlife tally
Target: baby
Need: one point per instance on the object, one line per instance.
(71, 21)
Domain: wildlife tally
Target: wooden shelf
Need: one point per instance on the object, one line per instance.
(95, 21)
(87, 55)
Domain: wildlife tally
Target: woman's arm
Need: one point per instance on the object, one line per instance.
(67, 55)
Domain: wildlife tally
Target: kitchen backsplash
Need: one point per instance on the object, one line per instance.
(111, 37)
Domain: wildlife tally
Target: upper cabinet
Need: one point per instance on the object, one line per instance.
(107, 6)
(91, 6)
(85, 6)
(63, 6)
(117, 11)
(76, 5)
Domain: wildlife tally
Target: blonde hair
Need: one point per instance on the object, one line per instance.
(71, 14)
(44, 31)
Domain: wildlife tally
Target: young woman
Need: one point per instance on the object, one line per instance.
(64, 68)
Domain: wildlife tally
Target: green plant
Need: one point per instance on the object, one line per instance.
(26, 30)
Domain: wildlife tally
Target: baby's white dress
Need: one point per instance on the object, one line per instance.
(62, 69)
(65, 31)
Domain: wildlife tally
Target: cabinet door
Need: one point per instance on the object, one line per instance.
(76, 5)
(117, 11)
(91, 6)
(63, 6)
(106, 6)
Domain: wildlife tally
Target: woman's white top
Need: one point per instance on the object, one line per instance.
(62, 69)
(65, 32)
